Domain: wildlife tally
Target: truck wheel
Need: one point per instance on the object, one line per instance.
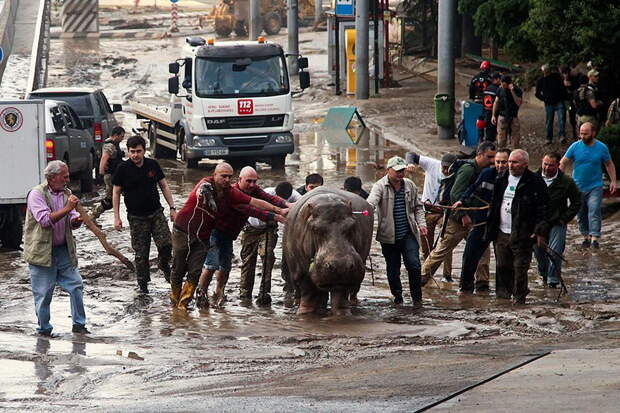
(272, 23)
(189, 163)
(278, 162)
(13, 229)
(157, 150)
(86, 178)
(240, 29)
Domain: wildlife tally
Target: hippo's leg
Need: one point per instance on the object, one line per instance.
(340, 302)
(353, 300)
(308, 303)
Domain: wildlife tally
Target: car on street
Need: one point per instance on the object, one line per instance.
(68, 140)
(92, 107)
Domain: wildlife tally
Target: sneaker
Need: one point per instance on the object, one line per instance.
(586, 243)
(595, 245)
(482, 287)
(417, 305)
(80, 329)
(202, 300)
(448, 278)
(398, 299)
(263, 299)
(45, 333)
(553, 285)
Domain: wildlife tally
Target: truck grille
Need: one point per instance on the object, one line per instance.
(245, 140)
(240, 122)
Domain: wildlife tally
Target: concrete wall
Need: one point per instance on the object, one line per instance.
(8, 9)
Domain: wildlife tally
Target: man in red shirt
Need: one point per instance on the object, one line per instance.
(227, 229)
(193, 225)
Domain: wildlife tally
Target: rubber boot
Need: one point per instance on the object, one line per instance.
(175, 294)
(186, 295)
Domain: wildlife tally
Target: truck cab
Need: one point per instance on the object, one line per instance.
(230, 100)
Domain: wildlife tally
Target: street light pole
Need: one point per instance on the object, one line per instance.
(445, 61)
(361, 49)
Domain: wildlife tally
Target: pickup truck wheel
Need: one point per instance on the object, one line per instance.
(272, 23)
(86, 178)
(13, 229)
(222, 27)
(240, 29)
(278, 162)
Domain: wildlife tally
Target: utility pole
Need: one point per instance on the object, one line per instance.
(445, 61)
(255, 20)
(293, 36)
(318, 11)
(361, 50)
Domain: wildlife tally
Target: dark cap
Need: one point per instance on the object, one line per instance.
(506, 79)
(448, 159)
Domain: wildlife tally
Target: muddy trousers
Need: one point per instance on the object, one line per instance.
(188, 255)
(513, 261)
(255, 242)
(44, 280)
(106, 203)
(433, 222)
(142, 229)
(476, 249)
(508, 128)
(408, 248)
(455, 233)
(550, 267)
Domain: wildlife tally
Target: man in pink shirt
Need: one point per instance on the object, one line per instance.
(49, 247)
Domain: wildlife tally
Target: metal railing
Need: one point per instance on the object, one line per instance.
(37, 76)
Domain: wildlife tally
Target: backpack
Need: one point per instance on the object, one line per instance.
(582, 104)
(443, 198)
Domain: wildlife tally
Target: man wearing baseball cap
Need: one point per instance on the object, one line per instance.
(401, 222)
(434, 171)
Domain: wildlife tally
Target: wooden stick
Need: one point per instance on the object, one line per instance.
(462, 208)
(102, 238)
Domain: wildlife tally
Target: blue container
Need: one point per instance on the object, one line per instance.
(470, 113)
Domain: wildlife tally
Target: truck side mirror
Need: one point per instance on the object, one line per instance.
(304, 80)
(116, 107)
(173, 85)
(302, 62)
(173, 68)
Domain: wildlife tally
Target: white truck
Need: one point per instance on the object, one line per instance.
(22, 161)
(237, 104)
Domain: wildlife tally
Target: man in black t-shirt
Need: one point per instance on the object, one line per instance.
(505, 112)
(137, 179)
(488, 99)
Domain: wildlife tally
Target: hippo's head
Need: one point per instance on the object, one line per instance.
(337, 264)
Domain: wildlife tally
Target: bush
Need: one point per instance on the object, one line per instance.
(610, 136)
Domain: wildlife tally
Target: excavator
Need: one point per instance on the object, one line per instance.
(233, 15)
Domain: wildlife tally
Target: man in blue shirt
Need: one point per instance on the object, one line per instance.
(587, 157)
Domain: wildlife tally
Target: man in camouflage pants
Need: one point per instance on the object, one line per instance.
(260, 238)
(138, 178)
(111, 157)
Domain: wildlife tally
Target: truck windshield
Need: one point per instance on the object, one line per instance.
(234, 77)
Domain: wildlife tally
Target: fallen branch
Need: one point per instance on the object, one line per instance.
(102, 238)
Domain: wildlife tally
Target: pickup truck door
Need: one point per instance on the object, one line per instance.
(77, 146)
(108, 120)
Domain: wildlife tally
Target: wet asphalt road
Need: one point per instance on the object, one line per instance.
(145, 356)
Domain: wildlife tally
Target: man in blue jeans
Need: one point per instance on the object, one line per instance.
(401, 222)
(550, 89)
(49, 247)
(587, 155)
(564, 203)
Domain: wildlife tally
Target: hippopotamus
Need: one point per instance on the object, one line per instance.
(326, 242)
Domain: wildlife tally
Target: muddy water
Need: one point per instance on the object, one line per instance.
(141, 347)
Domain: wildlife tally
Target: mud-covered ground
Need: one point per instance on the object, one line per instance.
(144, 356)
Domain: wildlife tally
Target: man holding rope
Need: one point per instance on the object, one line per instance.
(458, 224)
(480, 193)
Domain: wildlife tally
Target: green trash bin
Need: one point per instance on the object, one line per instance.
(444, 110)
